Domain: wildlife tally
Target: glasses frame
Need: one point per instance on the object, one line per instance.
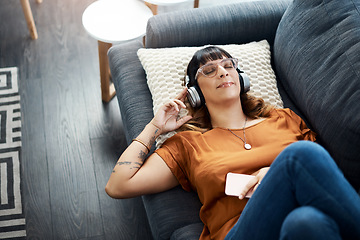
(200, 70)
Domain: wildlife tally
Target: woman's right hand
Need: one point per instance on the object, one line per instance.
(166, 119)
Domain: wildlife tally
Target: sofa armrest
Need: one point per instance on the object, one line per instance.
(189, 232)
(172, 210)
(132, 91)
(233, 23)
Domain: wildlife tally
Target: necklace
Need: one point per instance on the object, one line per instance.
(247, 146)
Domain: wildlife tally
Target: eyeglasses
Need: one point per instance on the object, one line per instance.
(210, 70)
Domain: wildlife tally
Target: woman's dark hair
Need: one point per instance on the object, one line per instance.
(201, 57)
(253, 107)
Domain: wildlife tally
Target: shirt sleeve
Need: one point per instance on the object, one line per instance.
(174, 154)
(305, 132)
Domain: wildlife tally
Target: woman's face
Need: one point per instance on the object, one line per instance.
(222, 88)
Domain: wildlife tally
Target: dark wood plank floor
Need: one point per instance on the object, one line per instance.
(71, 140)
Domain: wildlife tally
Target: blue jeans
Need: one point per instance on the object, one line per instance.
(304, 195)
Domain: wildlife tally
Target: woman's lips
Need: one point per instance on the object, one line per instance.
(225, 84)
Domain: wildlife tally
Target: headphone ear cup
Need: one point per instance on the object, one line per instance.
(195, 96)
(244, 81)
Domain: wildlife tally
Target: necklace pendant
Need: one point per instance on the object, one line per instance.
(247, 146)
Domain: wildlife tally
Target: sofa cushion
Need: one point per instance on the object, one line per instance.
(316, 54)
(165, 69)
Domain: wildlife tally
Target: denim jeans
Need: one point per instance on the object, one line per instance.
(304, 195)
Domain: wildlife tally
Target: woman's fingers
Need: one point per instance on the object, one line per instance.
(180, 103)
(181, 96)
(172, 104)
(248, 187)
(176, 103)
(256, 186)
(183, 120)
(178, 100)
(254, 183)
(167, 118)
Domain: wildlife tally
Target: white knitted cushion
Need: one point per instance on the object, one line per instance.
(165, 69)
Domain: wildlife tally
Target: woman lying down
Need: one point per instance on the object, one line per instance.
(298, 191)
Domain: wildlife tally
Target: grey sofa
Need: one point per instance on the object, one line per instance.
(315, 50)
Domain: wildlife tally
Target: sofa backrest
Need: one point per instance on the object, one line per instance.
(317, 59)
(235, 23)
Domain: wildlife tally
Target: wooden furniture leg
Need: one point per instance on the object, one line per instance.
(196, 3)
(153, 7)
(144, 40)
(107, 89)
(29, 18)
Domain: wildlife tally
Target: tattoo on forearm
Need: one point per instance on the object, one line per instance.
(142, 156)
(153, 138)
(123, 163)
(152, 141)
(137, 165)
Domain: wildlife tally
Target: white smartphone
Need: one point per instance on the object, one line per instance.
(236, 182)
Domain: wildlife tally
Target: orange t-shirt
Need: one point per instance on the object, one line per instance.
(200, 162)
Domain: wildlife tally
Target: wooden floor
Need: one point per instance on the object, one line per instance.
(71, 140)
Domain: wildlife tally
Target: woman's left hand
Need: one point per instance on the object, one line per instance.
(255, 182)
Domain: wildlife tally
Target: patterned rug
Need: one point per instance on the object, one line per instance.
(12, 219)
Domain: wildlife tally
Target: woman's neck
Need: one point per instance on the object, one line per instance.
(231, 116)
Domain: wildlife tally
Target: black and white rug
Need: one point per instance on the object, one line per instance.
(12, 219)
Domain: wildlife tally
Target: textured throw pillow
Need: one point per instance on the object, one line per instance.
(317, 58)
(165, 69)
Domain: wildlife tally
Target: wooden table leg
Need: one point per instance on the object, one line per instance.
(29, 18)
(107, 89)
(153, 7)
(196, 3)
